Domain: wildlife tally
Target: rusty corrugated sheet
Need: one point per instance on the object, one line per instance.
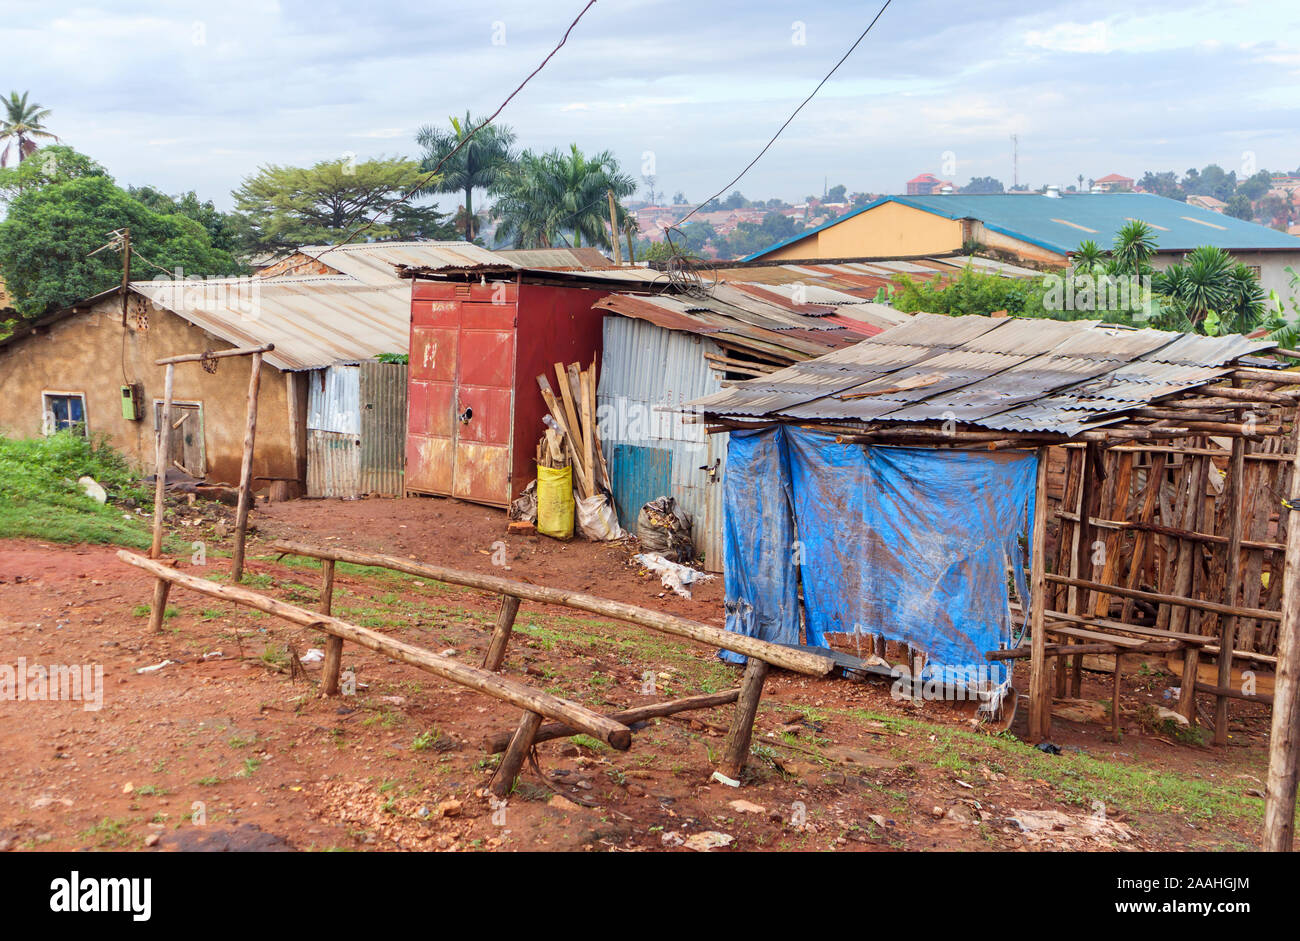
(1013, 374)
(333, 465)
(313, 321)
(383, 428)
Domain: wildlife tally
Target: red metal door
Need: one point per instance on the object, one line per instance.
(431, 423)
(461, 392)
(485, 407)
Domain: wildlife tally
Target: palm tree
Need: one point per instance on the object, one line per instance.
(1087, 257)
(1201, 284)
(478, 164)
(21, 123)
(1135, 243)
(550, 194)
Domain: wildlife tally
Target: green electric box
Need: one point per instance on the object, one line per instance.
(133, 402)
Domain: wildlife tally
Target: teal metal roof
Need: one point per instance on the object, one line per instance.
(1060, 224)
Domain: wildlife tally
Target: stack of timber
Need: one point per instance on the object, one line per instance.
(573, 412)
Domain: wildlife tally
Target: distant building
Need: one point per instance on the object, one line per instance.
(1113, 183)
(1207, 202)
(1038, 229)
(923, 185)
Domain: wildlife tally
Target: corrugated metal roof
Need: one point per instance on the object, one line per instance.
(1059, 224)
(585, 257)
(376, 262)
(733, 317)
(1007, 373)
(313, 321)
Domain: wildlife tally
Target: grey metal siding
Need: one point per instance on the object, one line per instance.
(383, 428)
(645, 370)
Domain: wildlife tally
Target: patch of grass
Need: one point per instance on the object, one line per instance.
(142, 611)
(210, 781)
(250, 767)
(586, 741)
(432, 739)
(40, 498)
(150, 790)
(108, 833)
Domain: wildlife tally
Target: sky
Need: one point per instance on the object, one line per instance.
(197, 96)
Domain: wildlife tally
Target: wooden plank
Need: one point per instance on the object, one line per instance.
(1160, 598)
(629, 717)
(215, 354)
(496, 651)
(742, 722)
(1284, 736)
(503, 782)
(1040, 706)
(573, 714)
(588, 439)
(1228, 625)
(332, 665)
(1084, 634)
(776, 654)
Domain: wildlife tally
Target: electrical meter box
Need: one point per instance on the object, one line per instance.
(133, 402)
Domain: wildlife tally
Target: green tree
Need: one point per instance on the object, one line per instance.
(282, 208)
(1162, 184)
(1239, 207)
(1196, 287)
(55, 163)
(479, 163)
(1135, 243)
(545, 196)
(21, 126)
(836, 193)
(46, 241)
(223, 230)
(983, 184)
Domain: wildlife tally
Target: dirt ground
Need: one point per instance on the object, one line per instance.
(225, 747)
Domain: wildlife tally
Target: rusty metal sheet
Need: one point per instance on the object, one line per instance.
(333, 464)
(383, 428)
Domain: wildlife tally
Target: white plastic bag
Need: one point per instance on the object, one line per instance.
(597, 519)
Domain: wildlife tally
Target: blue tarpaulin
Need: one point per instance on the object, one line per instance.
(911, 543)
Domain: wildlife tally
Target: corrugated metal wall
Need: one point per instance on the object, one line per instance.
(644, 368)
(356, 430)
(383, 428)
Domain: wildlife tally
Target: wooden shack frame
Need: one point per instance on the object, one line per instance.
(1165, 527)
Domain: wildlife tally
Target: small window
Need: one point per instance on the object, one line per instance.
(64, 411)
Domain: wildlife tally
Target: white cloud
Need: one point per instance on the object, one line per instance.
(1071, 37)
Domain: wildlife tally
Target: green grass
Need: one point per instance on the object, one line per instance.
(40, 499)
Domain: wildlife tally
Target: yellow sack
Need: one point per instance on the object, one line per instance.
(555, 502)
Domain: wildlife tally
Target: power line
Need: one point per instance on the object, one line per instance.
(789, 119)
(434, 172)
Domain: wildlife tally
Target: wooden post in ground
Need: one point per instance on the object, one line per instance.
(496, 652)
(158, 609)
(512, 761)
(163, 447)
(246, 468)
(333, 662)
(1279, 807)
(742, 722)
(1114, 699)
(1040, 703)
(1228, 623)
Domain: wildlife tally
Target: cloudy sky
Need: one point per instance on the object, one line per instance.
(196, 96)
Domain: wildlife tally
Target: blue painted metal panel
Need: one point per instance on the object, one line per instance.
(638, 475)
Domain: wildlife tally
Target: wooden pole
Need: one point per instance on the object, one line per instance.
(1279, 806)
(162, 448)
(496, 652)
(215, 354)
(631, 254)
(613, 228)
(799, 661)
(332, 665)
(1114, 699)
(577, 716)
(295, 418)
(1228, 623)
(503, 782)
(1176, 600)
(742, 721)
(629, 717)
(246, 468)
(158, 609)
(1040, 705)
